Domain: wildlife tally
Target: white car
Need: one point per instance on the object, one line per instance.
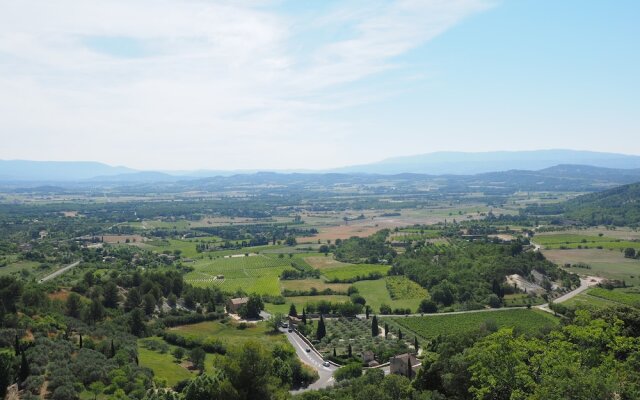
(326, 364)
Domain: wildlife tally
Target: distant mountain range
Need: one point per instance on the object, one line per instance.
(441, 163)
(460, 163)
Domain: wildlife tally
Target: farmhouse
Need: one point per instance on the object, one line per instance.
(368, 358)
(233, 305)
(404, 364)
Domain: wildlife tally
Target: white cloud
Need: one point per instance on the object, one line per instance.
(218, 85)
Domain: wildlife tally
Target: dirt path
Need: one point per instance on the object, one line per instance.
(59, 272)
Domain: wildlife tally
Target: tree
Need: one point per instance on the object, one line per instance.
(374, 327)
(111, 295)
(367, 310)
(321, 332)
(349, 371)
(292, 311)
(6, 371)
(136, 322)
(428, 306)
(253, 307)
(112, 351)
(400, 334)
(96, 388)
(385, 309)
(210, 387)
(178, 353)
(24, 371)
(386, 330)
(149, 303)
(197, 356)
(80, 340)
(74, 305)
(275, 321)
(172, 300)
(133, 299)
(416, 346)
(494, 301)
(630, 252)
(350, 351)
(304, 317)
(96, 311)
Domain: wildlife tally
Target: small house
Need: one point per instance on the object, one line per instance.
(404, 364)
(233, 305)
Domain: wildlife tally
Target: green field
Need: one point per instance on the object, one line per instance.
(353, 271)
(622, 296)
(574, 241)
(585, 300)
(610, 264)
(229, 333)
(163, 365)
(254, 274)
(376, 294)
(18, 266)
(525, 321)
(302, 301)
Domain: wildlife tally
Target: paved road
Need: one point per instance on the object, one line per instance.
(585, 283)
(312, 359)
(59, 272)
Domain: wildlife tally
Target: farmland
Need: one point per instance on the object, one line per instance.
(228, 333)
(302, 301)
(354, 272)
(578, 241)
(622, 296)
(253, 274)
(608, 264)
(429, 327)
(377, 294)
(343, 332)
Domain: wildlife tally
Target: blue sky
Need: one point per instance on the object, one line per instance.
(198, 84)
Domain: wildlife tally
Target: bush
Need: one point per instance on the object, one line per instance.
(350, 371)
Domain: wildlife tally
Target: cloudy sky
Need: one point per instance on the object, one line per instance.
(243, 84)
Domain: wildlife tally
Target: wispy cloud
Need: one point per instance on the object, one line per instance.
(186, 84)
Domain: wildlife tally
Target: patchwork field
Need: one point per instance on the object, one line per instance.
(525, 321)
(610, 264)
(355, 271)
(254, 274)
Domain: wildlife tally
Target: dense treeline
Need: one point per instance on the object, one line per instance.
(471, 274)
(619, 206)
(372, 249)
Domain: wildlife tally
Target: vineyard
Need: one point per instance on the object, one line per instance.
(524, 321)
(376, 293)
(343, 332)
(618, 295)
(253, 274)
(572, 241)
(354, 272)
(400, 287)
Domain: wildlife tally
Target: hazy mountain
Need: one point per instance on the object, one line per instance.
(56, 171)
(472, 163)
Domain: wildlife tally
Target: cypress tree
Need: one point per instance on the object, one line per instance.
(409, 367)
(415, 344)
(113, 349)
(322, 331)
(80, 340)
(24, 368)
(17, 345)
(374, 326)
(386, 330)
(292, 311)
(400, 334)
(334, 352)
(304, 316)
(350, 351)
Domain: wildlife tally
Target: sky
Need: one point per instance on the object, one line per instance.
(314, 84)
